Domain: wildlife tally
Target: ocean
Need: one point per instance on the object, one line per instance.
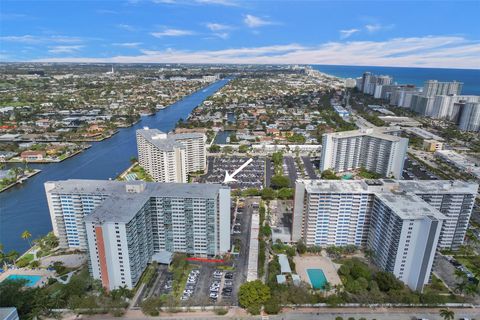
(416, 76)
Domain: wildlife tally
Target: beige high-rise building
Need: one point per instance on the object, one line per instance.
(170, 158)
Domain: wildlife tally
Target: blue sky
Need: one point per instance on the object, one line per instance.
(385, 33)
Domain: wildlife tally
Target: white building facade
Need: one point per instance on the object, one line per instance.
(170, 158)
(188, 218)
(377, 214)
(372, 149)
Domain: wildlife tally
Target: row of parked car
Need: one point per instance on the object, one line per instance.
(461, 267)
(215, 285)
(191, 284)
(227, 285)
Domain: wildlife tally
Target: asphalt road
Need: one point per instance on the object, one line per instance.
(292, 170)
(309, 168)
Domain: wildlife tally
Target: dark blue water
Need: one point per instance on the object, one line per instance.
(416, 76)
(25, 207)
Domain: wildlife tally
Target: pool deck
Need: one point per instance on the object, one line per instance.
(29, 272)
(302, 263)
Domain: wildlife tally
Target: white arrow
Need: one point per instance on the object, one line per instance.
(229, 178)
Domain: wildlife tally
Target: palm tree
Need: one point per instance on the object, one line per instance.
(447, 314)
(26, 235)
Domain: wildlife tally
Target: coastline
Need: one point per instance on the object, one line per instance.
(104, 160)
(22, 179)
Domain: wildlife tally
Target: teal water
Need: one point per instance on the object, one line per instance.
(31, 280)
(317, 278)
(416, 76)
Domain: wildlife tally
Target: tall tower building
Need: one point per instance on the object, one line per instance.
(433, 87)
(373, 149)
(123, 224)
(170, 158)
(402, 222)
(470, 117)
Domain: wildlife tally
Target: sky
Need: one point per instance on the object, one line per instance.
(442, 34)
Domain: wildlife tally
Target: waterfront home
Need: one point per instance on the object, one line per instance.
(31, 155)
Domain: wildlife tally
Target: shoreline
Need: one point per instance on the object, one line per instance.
(205, 86)
(22, 179)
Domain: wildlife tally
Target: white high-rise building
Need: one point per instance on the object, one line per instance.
(123, 224)
(170, 158)
(377, 214)
(404, 234)
(433, 88)
(195, 152)
(470, 117)
(373, 149)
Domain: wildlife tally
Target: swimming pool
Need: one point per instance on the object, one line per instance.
(31, 280)
(317, 278)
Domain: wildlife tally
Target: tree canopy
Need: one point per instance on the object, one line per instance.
(252, 295)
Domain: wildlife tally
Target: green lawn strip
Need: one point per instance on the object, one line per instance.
(180, 280)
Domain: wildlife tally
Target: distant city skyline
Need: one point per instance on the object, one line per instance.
(404, 34)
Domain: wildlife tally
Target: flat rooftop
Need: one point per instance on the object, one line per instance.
(159, 139)
(381, 185)
(126, 198)
(408, 205)
(379, 132)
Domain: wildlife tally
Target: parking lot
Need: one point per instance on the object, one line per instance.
(412, 170)
(252, 176)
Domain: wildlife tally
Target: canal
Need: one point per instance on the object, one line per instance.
(24, 207)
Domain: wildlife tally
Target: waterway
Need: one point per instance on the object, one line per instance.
(24, 207)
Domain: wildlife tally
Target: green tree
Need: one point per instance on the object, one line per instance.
(214, 148)
(268, 194)
(272, 306)
(252, 295)
(279, 181)
(329, 175)
(243, 148)
(386, 281)
(285, 193)
(26, 235)
(151, 306)
(447, 314)
(301, 247)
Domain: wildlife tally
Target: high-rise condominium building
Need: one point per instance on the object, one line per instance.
(190, 218)
(170, 158)
(433, 88)
(402, 222)
(470, 117)
(373, 149)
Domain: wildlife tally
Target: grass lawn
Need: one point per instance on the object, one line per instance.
(470, 262)
(180, 280)
(141, 174)
(435, 286)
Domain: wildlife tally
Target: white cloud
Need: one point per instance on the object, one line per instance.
(126, 27)
(428, 51)
(217, 26)
(30, 39)
(374, 27)
(347, 33)
(255, 22)
(64, 49)
(127, 44)
(172, 33)
(222, 35)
